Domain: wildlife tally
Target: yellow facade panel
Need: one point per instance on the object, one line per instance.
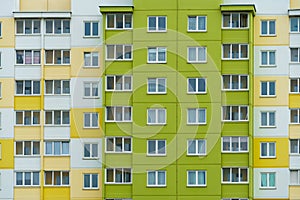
(295, 4)
(8, 30)
(57, 72)
(33, 5)
(60, 163)
(77, 124)
(28, 133)
(294, 192)
(294, 131)
(294, 101)
(282, 150)
(28, 103)
(27, 193)
(59, 5)
(56, 193)
(7, 154)
(7, 93)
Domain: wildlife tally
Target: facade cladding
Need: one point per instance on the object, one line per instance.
(136, 99)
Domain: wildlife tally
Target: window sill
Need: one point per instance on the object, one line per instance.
(55, 156)
(193, 93)
(194, 186)
(267, 66)
(91, 37)
(268, 35)
(267, 96)
(35, 65)
(26, 186)
(156, 155)
(294, 93)
(156, 186)
(27, 95)
(197, 62)
(234, 152)
(90, 188)
(27, 156)
(96, 158)
(234, 59)
(91, 97)
(235, 90)
(163, 62)
(118, 121)
(294, 124)
(235, 28)
(294, 32)
(196, 155)
(91, 127)
(114, 152)
(159, 93)
(156, 124)
(235, 183)
(57, 95)
(295, 154)
(118, 60)
(157, 31)
(294, 63)
(30, 35)
(91, 67)
(58, 34)
(118, 29)
(21, 125)
(266, 157)
(235, 121)
(196, 124)
(267, 127)
(118, 90)
(267, 188)
(117, 183)
(58, 125)
(196, 31)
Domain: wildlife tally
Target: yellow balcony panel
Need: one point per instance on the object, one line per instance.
(294, 101)
(57, 72)
(7, 154)
(28, 102)
(57, 193)
(27, 133)
(28, 193)
(45, 5)
(294, 192)
(294, 4)
(59, 5)
(61, 163)
(294, 131)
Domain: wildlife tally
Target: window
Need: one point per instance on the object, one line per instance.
(91, 120)
(90, 151)
(268, 28)
(157, 55)
(57, 148)
(295, 24)
(235, 82)
(268, 58)
(156, 147)
(28, 118)
(196, 85)
(58, 26)
(119, 83)
(28, 26)
(234, 144)
(57, 178)
(234, 175)
(295, 55)
(156, 178)
(58, 57)
(91, 89)
(267, 149)
(196, 116)
(235, 51)
(196, 178)
(295, 85)
(157, 24)
(27, 148)
(196, 23)
(119, 21)
(119, 52)
(267, 180)
(235, 20)
(118, 176)
(91, 59)
(91, 29)
(57, 87)
(118, 145)
(28, 57)
(295, 146)
(90, 181)
(267, 119)
(235, 113)
(156, 116)
(57, 117)
(156, 85)
(118, 114)
(294, 177)
(196, 54)
(27, 178)
(27, 87)
(196, 147)
(267, 88)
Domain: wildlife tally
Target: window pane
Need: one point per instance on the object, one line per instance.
(19, 178)
(271, 88)
(201, 178)
(151, 147)
(152, 23)
(65, 148)
(57, 150)
(294, 24)
(192, 54)
(86, 178)
(161, 23)
(192, 23)
(192, 147)
(192, 85)
(27, 178)
(235, 20)
(263, 180)
(94, 150)
(87, 119)
(95, 180)
(95, 28)
(151, 85)
(65, 178)
(201, 23)
(272, 58)
(151, 178)
(36, 178)
(19, 27)
(264, 58)
(161, 116)
(263, 150)
(161, 178)
(110, 21)
(87, 28)
(192, 178)
(272, 27)
(271, 179)
(49, 26)
(161, 54)
(48, 147)
(161, 147)
(87, 150)
(271, 149)
(128, 19)
(264, 27)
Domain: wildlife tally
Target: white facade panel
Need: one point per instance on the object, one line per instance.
(57, 102)
(7, 123)
(7, 61)
(282, 119)
(52, 133)
(77, 153)
(294, 40)
(282, 180)
(31, 42)
(25, 72)
(294, 162)
(77, 92)
(7, 184)
(57, 41)
(282, 58)
(80, 7)
(7, 10)
(27, 163)
(294, 70)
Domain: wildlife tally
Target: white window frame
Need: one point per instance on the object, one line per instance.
(124, 52)
(197, 60)
(268, 183)
(156, 178)
(239, 113)
(197, 178)
(268, 27)
(62, 27)
(91, 116)
(91, 187)
(61, 178)
(231, 144)
(114, 144)
(157, 86)
(197, 153)
(197, 79)
(298, 24)
(231, 21)
(62, 88)
(91, 87)
(296, 86)
(115, 21)
(268, 125)
(268, 52)
(197, 110)
(231, 83)
(156, 116)
(23, 179)
(21, 54)
(298, 176)
(268, 89)
(297, 147)
(239, 175)
(157, 49)
(268, 150)
(61, 153)
(157, 153)
(65, 60)
(197, 23)
(239, 52)
(157, 24)
(61, 118)
(33, 28)
(89, 56)
(32, 86)
(91, 29)
(32, 112)
(123, 171)
(91, 151)
(115, 80)
(31, 148)
(297, 55)
(115, 113)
